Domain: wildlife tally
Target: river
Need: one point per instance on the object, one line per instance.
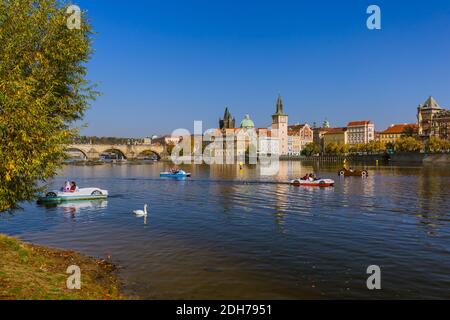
(231, 234)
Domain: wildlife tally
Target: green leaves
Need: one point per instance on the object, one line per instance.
(43, 89)
(408, 144)
(310, 149)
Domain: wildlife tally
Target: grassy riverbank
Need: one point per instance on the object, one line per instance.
(33, 272)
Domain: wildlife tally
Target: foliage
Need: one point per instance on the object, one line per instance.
(310, 149)
(375, 147)
(408, 144)
(435, 144)
(43, 90)
(336, 149)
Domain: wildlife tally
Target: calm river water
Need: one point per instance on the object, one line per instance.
(231, 234)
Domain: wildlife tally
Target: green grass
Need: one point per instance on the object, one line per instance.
(29, 272)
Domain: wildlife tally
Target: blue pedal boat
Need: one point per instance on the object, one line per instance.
(178, 174)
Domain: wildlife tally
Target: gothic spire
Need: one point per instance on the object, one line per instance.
(227, 113)
(279, 106)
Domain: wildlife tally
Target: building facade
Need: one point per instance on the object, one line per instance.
(441, 125)
(433, 120)
(228, 143)
(335, 135)
(360, 132)
(425, 116)
(298, 137)
(318, 134)
(280, 127)
(396, 131)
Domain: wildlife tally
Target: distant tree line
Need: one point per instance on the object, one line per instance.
(404, 144)
(106, 140)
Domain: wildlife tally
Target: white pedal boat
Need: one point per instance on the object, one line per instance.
(80, 194)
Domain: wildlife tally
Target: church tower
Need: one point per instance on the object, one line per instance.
(227, 122)
(280, 127)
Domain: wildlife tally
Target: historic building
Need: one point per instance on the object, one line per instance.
(231, 142)
(360, 132)
(227, 122)
(396, 131)
(335, 135)
(298, 137)
(280, 127)
(441, 125)
(433, 120)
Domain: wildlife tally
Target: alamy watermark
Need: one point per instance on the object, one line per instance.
(374, 20)
(74, 280)
(74, 19)
(374, 280)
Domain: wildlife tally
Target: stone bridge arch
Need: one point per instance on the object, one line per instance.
(83, 152)
(122, 153)
(93, 151)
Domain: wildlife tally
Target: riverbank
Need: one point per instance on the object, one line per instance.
(398, 158)
(30, 272)
(423, 158)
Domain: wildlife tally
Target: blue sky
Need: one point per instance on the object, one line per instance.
(163, 64)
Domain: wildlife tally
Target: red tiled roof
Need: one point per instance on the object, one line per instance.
(295, 129)
(335, 130)
(399, 128)
(358, 123)
(322, 129)
(296, 126)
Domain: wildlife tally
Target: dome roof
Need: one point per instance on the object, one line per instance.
(247, 123)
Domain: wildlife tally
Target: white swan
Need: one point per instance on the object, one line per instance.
(140, 213)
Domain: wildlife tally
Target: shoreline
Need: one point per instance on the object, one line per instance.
(34, 272)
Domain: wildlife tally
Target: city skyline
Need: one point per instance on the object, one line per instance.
(166, 65)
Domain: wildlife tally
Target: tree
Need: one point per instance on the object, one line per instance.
(43, 90)
(336, 148)
(435, 144)
(331, 148)
(343, 149)
(408, 144)
(357, 148)
(375, 147)
(310, 149)
(446, 146)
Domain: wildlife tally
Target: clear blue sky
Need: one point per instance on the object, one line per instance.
(163, 64)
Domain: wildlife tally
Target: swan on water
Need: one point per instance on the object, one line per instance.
(141, 213)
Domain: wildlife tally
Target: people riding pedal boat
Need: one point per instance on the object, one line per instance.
(73, 187)
(66, 187)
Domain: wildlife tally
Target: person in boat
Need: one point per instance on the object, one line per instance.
(73, 187)
(306, 177)
(66, 187)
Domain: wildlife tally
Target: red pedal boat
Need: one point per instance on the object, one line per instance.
(321, 183)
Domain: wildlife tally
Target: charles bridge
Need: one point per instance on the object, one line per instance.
(126, 151)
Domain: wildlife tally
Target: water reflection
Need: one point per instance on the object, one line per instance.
(74, 208)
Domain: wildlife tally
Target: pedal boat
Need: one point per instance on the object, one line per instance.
(179, 174)
(80, 194)
(321, 183)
